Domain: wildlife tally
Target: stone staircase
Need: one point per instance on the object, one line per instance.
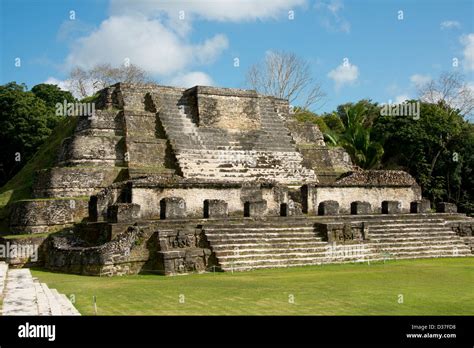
(416, 238)
(255, 244)
(213, 153)
(24, 295)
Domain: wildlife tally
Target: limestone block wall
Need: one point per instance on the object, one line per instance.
(230, 109)
(72, 181)
(149, 199)
(39, 216)
(375, 195)
(97, 150)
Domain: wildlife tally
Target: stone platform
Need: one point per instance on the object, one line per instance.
(24, 295)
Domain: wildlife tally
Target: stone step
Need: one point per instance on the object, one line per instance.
(461, 248)
(3, 275)
(226, 246)
(55, 307)
(413, 226)
(20, 294)
(255, 240)
(405, 222)
(65, 305)
(274, 261)
(25, 295)
(316, 262)
(270, 252)
(239, 229)
(416, 241)
(416, 234)
(41, 299)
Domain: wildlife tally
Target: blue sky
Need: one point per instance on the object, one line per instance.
(387, 56)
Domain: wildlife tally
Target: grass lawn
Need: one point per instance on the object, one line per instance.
(428, 287)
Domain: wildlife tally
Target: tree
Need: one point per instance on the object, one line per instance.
(52, 94)
(436, 150)
(25, 123)
(450, 91)
(286, 76)
(84, 83)
(356, 137)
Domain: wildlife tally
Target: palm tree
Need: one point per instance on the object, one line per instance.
(355, 138)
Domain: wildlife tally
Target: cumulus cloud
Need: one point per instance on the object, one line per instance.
(399, 99)
(222, 10)
(450, 25)
(420, 80)
(344, 74)
(194, 78)
(155, 34)
(62, 84)
(468, 51)
(144, 42)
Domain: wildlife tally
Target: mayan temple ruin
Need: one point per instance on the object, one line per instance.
(172, 180)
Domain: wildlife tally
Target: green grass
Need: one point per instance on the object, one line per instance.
(19, 187)
(428, 287)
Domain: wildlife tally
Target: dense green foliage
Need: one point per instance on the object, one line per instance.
(348, 289)
(437, 148)
(19, 187)
(27, 118)
(52, 94)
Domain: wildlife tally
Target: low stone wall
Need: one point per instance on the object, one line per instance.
(23, 252)
(72, 181)
(40, 216)
(92, 150)
(194, 197)
(146, 248)
(343, 233)
(374, 195)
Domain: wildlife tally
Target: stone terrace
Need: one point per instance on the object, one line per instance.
(24, 295)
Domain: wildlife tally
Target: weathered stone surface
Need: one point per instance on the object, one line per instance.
(375, 195)
(255, 209)
(172, 208)
(391, 207)
(39, 216)
(445, 207)
(215, 208)
(291, 208)
(420, 206)
(305, 133)
(360, 208)
(341, 233)
(242, 153)
(102, 150)
(123, 212)
(72, 181)
(377, 178)
(328, 208)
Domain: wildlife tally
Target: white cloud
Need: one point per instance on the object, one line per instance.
(146, 43)
(399, 99)
(330, 18)
(344, 74)
(420, 80)
(62, 84)
(65, 85)
(222, 10)
(468, 42)
(194, 78)
(450, 25)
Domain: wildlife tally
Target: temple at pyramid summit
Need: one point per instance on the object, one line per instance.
(172, 180)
